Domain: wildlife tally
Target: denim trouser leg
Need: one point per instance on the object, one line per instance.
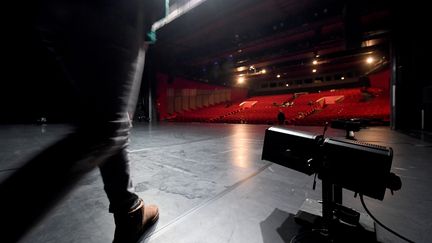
(99, 47)
(115, 173)
(103, 56)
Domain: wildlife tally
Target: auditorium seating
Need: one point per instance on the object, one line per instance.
(299, 109)
(353, 105)
(208, 114)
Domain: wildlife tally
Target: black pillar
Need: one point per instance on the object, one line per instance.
(411, 64)
(146, 105)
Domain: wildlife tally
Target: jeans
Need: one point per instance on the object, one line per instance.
(99, 47)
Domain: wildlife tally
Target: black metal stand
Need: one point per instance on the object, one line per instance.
(336, 223)
(327, 205)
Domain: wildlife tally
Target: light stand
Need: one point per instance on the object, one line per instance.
(349, 125)
(333, 221)
(339, 163)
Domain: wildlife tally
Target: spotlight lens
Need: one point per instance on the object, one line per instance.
(370, 60)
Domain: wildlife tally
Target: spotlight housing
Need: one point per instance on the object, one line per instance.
(360, 167)
(293, 149)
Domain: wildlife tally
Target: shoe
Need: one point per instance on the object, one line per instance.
(131, 226)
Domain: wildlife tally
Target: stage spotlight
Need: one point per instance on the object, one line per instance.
(293, 149)
(339, 163)
(360, 167)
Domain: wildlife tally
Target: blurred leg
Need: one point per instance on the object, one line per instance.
(98, 44)
(32, 190)
(117, 183)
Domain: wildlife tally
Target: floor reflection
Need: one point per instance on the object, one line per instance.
(240, 155)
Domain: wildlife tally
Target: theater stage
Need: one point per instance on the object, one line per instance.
(212, 186)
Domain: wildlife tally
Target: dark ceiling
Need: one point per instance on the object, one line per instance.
(218, 41)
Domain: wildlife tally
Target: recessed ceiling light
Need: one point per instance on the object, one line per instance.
(239, 69)
(240, 80)
(370, 60)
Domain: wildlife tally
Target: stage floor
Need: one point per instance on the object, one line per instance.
(212, 187)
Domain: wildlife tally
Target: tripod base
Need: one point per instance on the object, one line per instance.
(310, 216)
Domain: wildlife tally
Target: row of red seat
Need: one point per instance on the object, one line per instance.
(207, 114)
(301, 109)
(377, 108)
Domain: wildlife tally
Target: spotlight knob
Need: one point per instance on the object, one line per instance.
(394, 182)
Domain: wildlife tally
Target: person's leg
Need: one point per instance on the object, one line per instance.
(28, 193)
(106, 67)
(115, 173)
(98, 44)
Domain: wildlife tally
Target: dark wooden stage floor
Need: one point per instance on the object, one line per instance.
(212, 186)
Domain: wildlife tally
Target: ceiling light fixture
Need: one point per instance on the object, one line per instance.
(240, 80)
(239, 69)
(370, 60)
